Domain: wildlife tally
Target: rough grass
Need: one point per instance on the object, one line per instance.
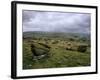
(58, 55)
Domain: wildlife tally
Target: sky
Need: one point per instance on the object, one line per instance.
(56, 21)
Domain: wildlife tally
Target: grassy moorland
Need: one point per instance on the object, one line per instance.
(65, 50)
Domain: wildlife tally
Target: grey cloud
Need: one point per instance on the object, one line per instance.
(56, 21)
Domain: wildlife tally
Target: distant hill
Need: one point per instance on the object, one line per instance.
(38, 34)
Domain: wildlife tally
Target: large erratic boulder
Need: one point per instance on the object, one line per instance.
(39, 50)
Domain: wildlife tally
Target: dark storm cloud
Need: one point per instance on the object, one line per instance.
(56, 21)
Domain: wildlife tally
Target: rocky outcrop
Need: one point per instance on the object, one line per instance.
(39, 50)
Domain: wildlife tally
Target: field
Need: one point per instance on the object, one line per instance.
(56, 50)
